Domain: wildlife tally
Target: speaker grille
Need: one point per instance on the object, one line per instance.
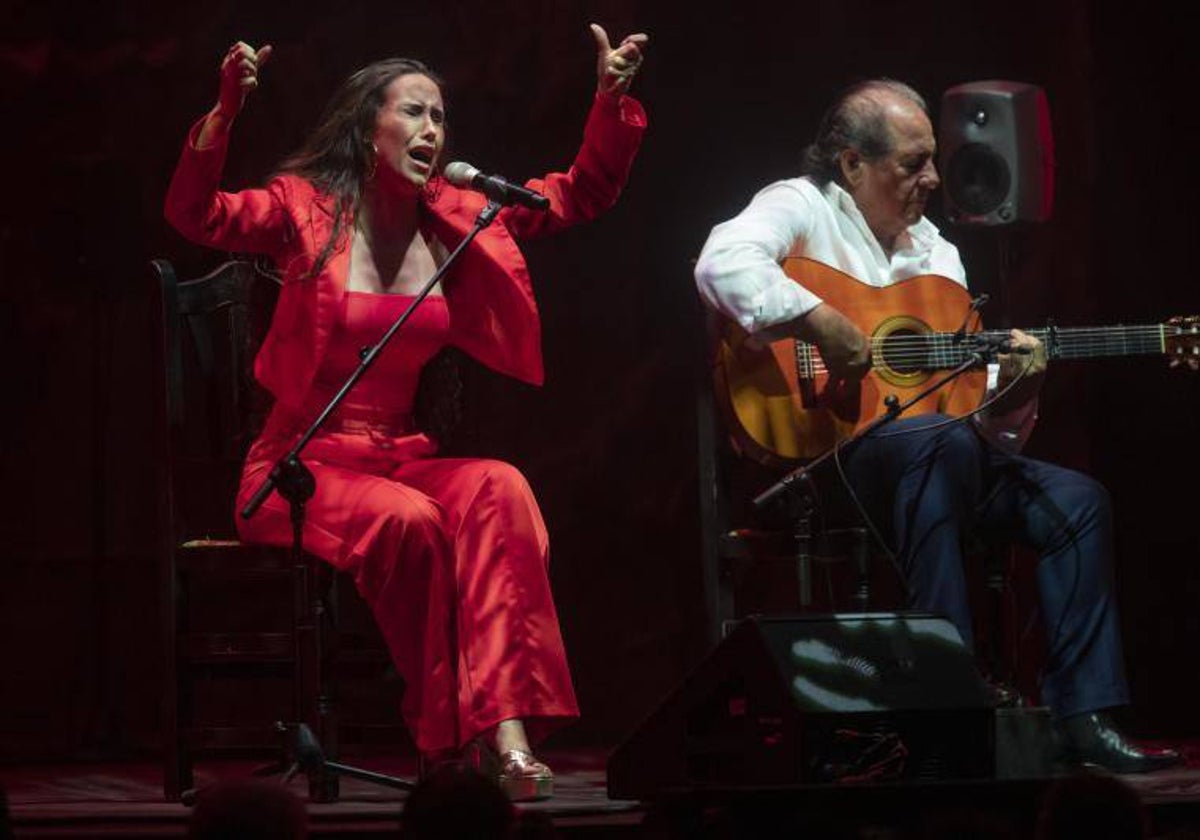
(978, 179)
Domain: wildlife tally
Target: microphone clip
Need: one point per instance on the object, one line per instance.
(989, 345)
(977, 303)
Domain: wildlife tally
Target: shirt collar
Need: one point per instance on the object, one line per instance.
(923, 232)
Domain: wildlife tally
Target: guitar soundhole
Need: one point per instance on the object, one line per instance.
(906, 351)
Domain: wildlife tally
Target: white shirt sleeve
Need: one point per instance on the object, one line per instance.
(739, 272)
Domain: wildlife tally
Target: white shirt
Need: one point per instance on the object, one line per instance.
(739, 272)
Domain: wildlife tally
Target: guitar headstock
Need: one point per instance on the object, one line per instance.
(1181, 337)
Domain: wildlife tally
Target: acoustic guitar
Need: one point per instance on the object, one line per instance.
(783, 409)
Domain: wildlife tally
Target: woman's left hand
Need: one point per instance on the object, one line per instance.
(615, 68)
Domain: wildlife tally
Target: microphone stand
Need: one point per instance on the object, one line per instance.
(801, 477)
(295, 483)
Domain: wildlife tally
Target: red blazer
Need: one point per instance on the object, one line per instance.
(493, 315)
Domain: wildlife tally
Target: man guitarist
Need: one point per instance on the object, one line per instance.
(859, 208)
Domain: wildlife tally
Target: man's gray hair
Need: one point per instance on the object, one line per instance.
(856, 120)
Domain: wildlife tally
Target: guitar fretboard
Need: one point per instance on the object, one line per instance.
(947, 351)
(910, 352)
(1096, 342)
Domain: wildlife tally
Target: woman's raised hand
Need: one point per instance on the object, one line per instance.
(239, 75)
(615, 68)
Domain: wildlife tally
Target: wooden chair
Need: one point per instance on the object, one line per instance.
(738, 542)
(283, 633)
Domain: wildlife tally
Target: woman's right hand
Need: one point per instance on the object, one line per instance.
(615, 68)
(239, 76)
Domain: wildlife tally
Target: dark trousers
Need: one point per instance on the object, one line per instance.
(928, 488)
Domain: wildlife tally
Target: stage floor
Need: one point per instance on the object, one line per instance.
(114, 800)
(125, 799)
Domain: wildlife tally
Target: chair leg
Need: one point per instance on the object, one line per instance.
(804, 547)
(314, 705)
(184, 759)
(859, 554)
(997, 589)
(726, 603)
(174, 766)
(325, 605)
(177, 770)
(177, 702)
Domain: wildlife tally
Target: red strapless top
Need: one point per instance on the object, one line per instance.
(384, 396)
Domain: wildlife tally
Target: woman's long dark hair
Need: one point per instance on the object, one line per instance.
(338, 157)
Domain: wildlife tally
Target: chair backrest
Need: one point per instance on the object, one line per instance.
(729, 479)
(734, 530)
(211, 408)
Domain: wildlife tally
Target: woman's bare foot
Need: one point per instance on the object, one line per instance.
(510, 735)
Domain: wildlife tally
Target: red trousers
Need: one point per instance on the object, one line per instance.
(451, 555)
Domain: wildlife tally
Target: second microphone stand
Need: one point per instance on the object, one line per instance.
(295, 483)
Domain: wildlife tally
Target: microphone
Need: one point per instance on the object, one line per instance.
(976, 305)
(495, 187)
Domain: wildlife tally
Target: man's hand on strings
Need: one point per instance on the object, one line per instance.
(844, 349)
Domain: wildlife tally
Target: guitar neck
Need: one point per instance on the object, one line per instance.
(1098, 342)
(910, 352)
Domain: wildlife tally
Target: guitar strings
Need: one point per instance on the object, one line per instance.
(919, 350)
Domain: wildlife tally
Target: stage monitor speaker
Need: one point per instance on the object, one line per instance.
(816, 699)
(997, 153)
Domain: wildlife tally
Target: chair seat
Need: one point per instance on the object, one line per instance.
(234, 558)
(776, 552)
(829, 546)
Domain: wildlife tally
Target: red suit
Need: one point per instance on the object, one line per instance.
(451, 554)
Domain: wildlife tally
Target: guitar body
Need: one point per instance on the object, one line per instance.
(780, 404)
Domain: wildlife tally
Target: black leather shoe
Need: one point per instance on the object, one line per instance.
(1091, 739)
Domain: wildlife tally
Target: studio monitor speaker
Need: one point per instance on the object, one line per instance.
(996, 153)
(813, 699)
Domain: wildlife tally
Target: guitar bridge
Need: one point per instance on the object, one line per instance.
(806, 373)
